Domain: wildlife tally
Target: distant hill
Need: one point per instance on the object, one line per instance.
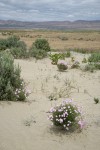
(51, 25)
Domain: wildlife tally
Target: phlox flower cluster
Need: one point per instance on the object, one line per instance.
(63, 62)
(22, 92)
(66, 115)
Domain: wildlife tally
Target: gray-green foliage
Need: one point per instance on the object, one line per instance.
(39, 49)
(17, 48)
(18, 52)
(95, 57)
(11, 84)
(9, 42)
(37, 53)
(93, 62)
(42, 44)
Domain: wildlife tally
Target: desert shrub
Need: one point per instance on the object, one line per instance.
(97, 66)
(67, 115)
(56, 57)
(3, 44)
(75, 65)
(95, 57)
(21, 45)
(92, 67)
(63, 38)
(68, 54)
(18, 53)
(89, 67)
(37, 53)
(12, 87)
(72, 59)
(62, 65)
(96, 100)
(84, 60)
(12, 41)
(42, 44)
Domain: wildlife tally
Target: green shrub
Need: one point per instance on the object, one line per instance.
(56, 57)
(42, 44)
(66, 116)
(68, 54)
(89, 67)
(18, 52)
(37, 53)
(97, 66)
(96, 100)
(13, 41)
(12, 87)
(3, 44)
(84, 60)
(95, 57)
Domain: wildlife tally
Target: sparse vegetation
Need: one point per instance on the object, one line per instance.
(96, 100)
(89, 67)
(84, 60)
(75, 65)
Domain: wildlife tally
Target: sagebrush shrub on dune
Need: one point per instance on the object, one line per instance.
(37, 53)
(12, 87)
(67, 116)
(17, 48)
(39, 49)
(19, 53)
(42, 44)
(11, 41)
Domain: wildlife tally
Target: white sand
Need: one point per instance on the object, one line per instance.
(24, 126)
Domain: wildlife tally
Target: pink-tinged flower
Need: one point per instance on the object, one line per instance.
(28, 91)
(81, 124)
(61, 120)
(66, 113)
(51, 109)
(62, 62)
(60, 110)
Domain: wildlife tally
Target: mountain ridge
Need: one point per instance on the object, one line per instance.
(51, 25)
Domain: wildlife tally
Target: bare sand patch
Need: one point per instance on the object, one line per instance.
(24, 125)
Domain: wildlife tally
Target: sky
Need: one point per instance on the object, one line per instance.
(49, 10)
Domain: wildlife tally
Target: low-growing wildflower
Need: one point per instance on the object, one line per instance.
(62, 65)
(66, 115)
(22, 93)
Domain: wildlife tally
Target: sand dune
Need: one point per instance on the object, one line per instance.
(24, 125)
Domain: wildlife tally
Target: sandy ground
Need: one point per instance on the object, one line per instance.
(24, 125)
